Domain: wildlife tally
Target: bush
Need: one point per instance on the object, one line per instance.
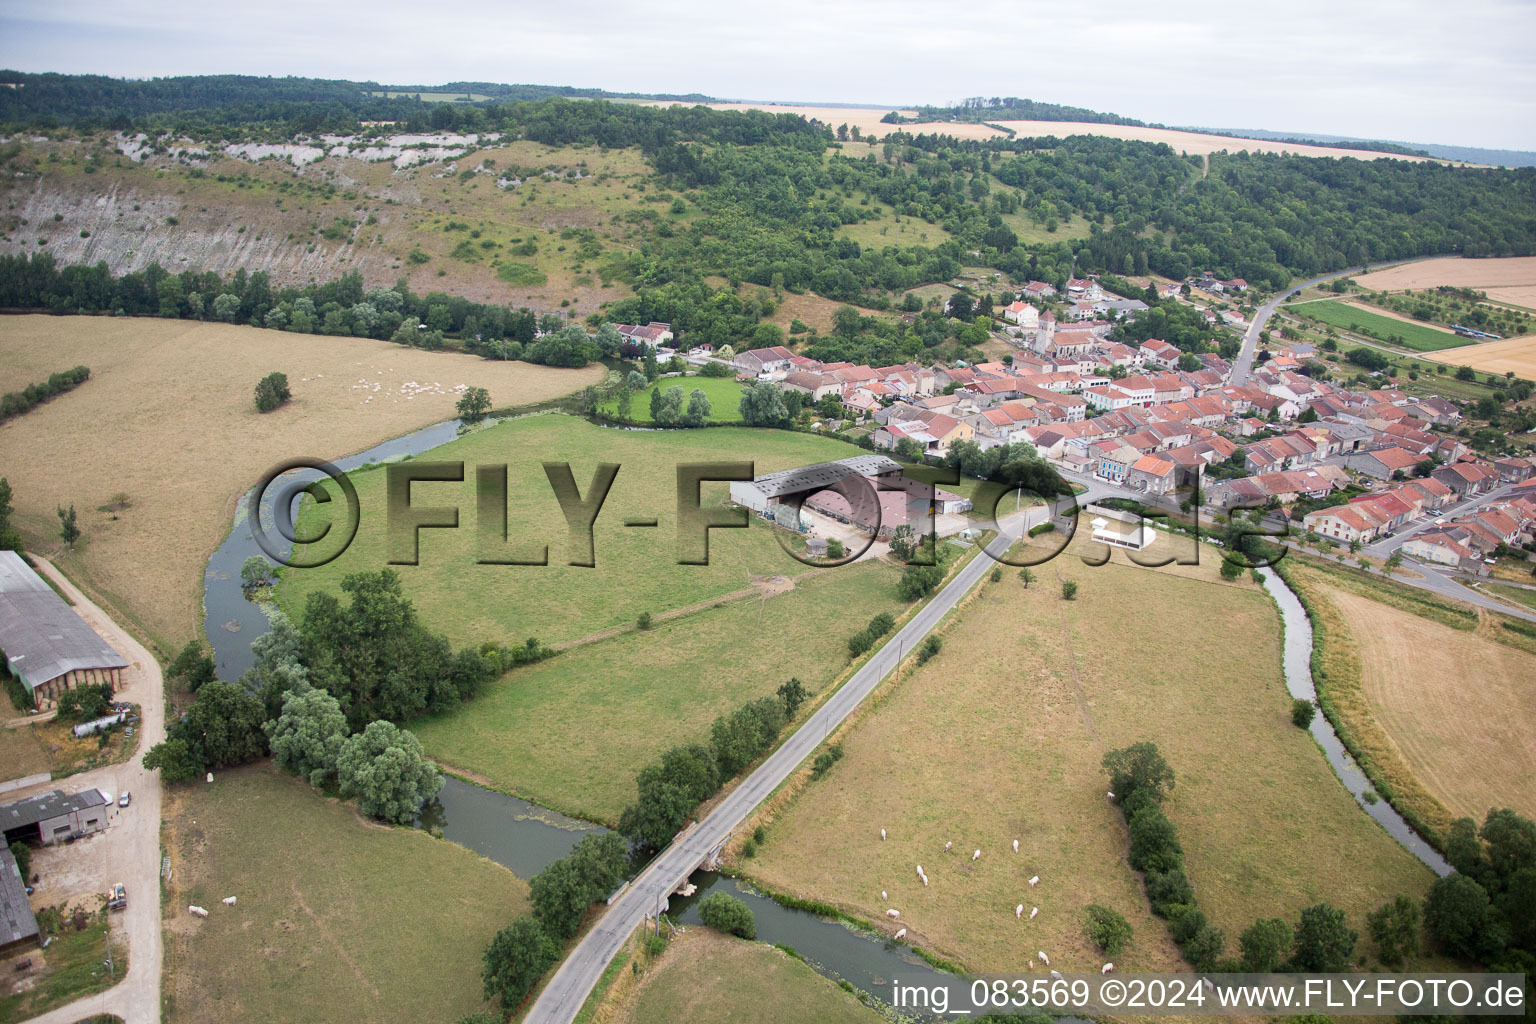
(85, 702)
(931, 646)
(714, 369)
(1108, 929)
(1069, 590)
(644, 621)
(272, 391)
(749, 848)
(865, 638)
(1302, 711)
(1167, 890)
(1035, 531)
(725, 913)
(23, 854)
(826, 759)
(1154, 843)
(918, 581)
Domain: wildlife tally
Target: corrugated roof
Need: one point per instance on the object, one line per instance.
(823, 474)
(41, 636)
(16, 920)
(47, 805)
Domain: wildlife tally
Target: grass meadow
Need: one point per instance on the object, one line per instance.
(1419, 337)
(339, 919)
(1000, 737)
(636, 568)
(723, 392)
(168, 420)
(708, 978)
(572, 732)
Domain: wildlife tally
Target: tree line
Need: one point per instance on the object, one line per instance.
(325, 694)
(14, 403)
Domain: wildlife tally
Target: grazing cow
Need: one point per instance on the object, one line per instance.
(1035, 880)
(1015, 846)
(882, 835)
(1107, 969)
(1032, 912)
(1044, 959)
(1018, 911)
(948, 845)
(883, 896)
(976, 855)
(901, 934)
(893, 913)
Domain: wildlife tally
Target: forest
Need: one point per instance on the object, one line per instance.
(776, 195)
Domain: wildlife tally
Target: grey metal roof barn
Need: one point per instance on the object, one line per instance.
(46, 806)
(17, 924)
(824, 474)
(43, 639)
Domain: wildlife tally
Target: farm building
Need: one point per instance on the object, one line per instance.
(826, 488)
(52, 817)
(1119, 529)
(17, 925)
(47, 646)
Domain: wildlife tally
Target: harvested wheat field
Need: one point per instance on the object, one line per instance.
(1460, 272)
(168, 420)
(1513, 355)
(1199, 143)
(1001, 735)
(1447, 699)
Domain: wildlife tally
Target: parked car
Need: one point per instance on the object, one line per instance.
(124, 800)
(117, 897)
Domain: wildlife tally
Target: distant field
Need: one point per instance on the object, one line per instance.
(1416, 336)
(1445, 698)
(167, 418)
(636, 568)
(708, 978)
(868, 120)
(1515, 355)
(1000, 738)
(1501, 274)
(724, 398)
(434, 97)
(338, 919)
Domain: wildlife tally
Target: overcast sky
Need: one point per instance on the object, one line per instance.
(1414, 70)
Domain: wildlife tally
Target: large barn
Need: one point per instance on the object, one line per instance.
(828, 488)
(46, 645)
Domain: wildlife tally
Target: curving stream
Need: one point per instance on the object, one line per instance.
(1298, 680)
(525, 837)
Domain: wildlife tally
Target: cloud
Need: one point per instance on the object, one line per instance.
(1407, 69)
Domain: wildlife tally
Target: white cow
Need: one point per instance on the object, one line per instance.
(1107, 969)
(976, 855)
(1035, 880)
(883, 896)
(901, 934)
(893, 913)
(1044, 959)
(1032, 912)
(1015, 846)
(919, 871)
(1018, 911)
(948, 845)
(882, 835)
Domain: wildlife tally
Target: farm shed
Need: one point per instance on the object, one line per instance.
(17, 925)
(53, 817)
(47, 646)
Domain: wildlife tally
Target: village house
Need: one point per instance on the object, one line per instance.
(1023, 314)
(1441, 548)
(1344, 523)
(1152, 474)
(1467, 478)
(653, 335)
(1037, 290)
(1162, 353)
(759, 362)
(1383, 463)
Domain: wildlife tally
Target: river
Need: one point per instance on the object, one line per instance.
(525, 837)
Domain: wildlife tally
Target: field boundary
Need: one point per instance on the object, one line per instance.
(1341, 697)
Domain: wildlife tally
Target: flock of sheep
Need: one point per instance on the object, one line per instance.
(1018, 911)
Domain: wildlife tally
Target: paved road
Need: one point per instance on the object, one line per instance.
(134, 833)
(1244, 363)
(562, 998)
